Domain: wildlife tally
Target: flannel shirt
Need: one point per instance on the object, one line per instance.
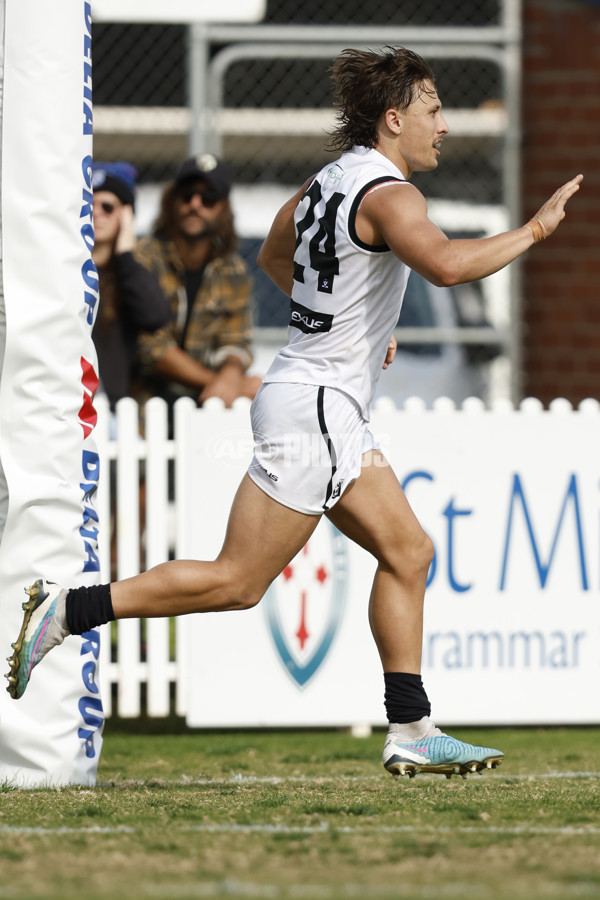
(220, 324)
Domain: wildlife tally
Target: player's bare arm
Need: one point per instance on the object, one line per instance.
(397, 215)
(276, 256)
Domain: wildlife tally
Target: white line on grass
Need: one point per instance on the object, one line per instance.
(93, 829)
(230, 887)
(239, 778)
(323, 828)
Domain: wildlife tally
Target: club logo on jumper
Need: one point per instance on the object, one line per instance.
(304, 607)
(307, 320)
(337, 489)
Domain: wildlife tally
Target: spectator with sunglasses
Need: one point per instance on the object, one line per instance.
(131, 299)
(205, 349)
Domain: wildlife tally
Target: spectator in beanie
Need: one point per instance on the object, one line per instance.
(131, 299)
(204, 351)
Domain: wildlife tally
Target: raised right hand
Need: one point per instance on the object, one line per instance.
(126, 238)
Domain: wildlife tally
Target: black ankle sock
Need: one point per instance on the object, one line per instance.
(405, 697)
(88, 607)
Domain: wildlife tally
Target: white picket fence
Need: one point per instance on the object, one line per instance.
(132, 663)
(150, 653)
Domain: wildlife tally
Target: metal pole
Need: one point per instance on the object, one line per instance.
(512, 184)
(198, 139)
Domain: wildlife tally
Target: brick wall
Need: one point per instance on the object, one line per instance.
(561, 137)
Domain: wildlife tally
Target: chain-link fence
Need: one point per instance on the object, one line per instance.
(386, 12)
(260, 97)
(274, 99)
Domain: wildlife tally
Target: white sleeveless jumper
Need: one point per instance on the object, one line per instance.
(347, 295)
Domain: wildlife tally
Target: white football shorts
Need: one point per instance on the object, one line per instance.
(308, 444)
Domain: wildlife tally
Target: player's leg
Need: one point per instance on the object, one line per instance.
(375, 513)
(262, 537)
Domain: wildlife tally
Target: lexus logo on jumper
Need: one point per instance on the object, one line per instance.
(304, 606)
(307, 320)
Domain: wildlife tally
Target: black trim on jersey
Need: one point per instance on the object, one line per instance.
(375, 248)
(329, 443)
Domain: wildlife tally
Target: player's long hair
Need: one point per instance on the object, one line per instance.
(369, 82)
(224, 237)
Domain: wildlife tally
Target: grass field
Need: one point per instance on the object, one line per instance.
(309, 816)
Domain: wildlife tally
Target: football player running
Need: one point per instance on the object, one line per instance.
(341, 248)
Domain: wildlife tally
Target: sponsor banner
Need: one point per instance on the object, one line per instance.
(512, 614)
(50, 464)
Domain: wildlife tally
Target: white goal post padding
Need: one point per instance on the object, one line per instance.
(52, 735)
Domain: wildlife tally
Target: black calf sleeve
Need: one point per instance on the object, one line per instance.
(405, 697)
(88, 607)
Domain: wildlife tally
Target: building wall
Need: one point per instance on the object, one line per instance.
(561, 137)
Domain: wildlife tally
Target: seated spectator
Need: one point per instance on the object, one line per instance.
(131, 299)
(204, 351)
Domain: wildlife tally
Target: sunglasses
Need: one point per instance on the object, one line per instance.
(108, 208)
(208, 198)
